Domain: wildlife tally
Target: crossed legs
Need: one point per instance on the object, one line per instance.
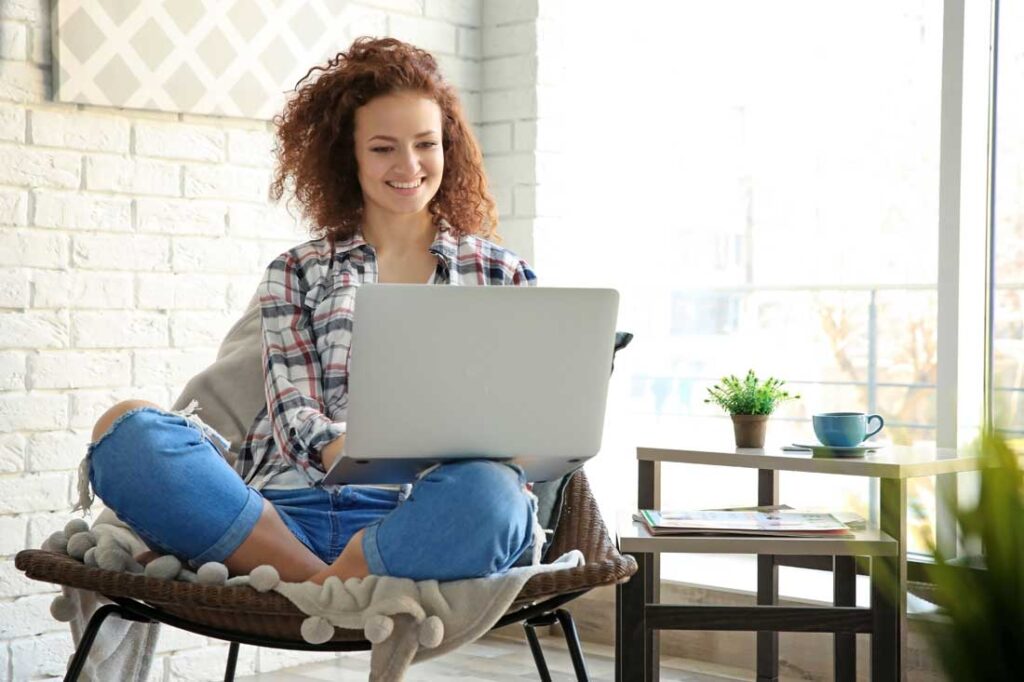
(159, 475)
(270, 542)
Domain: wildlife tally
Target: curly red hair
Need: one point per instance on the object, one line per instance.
(316, 146)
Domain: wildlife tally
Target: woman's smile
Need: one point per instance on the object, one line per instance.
(406, 189)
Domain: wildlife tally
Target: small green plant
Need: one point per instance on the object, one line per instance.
(750, 395)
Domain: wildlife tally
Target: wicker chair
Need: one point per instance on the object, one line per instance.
(240, 615)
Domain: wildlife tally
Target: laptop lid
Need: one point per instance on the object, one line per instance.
(438, 373)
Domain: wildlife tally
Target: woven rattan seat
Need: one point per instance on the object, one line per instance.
(240, 614)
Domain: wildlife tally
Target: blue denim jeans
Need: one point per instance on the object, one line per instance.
(160, 473)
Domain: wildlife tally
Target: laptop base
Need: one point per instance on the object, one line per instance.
(347, 470)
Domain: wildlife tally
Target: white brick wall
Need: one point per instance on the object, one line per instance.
(12, 371)
(132, 176)
(175, 141)
(67, 210)
(251, 148)
(181, 217)
(40, 526)
(34, 329)
(12, 453)
(130, 241)
(70, 129)
(226, 182)
(13, 535)
(36, 492)
(120, 252)
(77, 369)
(14, 289)
(167, 367)
(81, 289)
(45, 656)
(55, 450)
(32, 248)
(27, 617)
(13, 207)
(518, 45)
(87, 405)
(13, 41)
(29, 167)
(12, 123)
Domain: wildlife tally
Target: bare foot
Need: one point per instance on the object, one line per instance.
(351, 563)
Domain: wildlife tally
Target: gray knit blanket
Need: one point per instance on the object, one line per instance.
(406, 621)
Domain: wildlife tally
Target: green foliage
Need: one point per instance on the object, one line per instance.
(749, 396)
(981, 636)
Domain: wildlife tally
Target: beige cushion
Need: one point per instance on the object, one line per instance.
(230, 391)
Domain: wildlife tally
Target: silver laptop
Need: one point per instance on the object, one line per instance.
(441, 373)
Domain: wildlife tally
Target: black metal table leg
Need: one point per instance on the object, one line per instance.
(630, 644)
(844, 593)
(618, 633)
(889, 586)
(652, 637)
(767, 584)
(649, 497)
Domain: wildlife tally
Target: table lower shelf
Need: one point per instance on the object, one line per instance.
(633, 538)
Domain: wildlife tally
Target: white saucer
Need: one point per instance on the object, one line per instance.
(840, 450)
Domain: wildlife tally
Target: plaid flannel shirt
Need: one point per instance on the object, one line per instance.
(307, 301)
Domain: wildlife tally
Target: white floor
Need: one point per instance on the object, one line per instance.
(496, 659)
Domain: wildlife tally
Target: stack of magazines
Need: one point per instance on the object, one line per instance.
(780, 521)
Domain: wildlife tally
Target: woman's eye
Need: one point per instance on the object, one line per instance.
(380, 150)
(428, 145)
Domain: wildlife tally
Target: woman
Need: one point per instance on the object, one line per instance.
(385, 165)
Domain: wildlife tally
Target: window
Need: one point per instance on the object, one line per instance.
(1008, 296)
(765, 193)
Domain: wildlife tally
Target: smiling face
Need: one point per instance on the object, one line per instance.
(399, 153)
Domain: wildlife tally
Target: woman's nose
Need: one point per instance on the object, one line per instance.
(408, 162)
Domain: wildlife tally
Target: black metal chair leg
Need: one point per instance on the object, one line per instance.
(229, 672)
(572, 639)
(89, 636)
(538, 653)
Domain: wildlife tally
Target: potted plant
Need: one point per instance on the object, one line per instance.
(749, 401)
(981, 623)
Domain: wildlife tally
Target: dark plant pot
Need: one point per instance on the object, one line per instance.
(749, 429)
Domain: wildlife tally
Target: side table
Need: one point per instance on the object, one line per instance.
(639, 615)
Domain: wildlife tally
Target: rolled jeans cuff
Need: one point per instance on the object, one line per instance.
(237, 532)
(371, 551)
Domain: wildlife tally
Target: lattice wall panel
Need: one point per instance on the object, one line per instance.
(221, 57)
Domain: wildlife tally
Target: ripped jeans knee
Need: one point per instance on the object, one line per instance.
(163, 474)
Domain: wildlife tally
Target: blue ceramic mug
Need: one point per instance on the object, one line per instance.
(844, 429)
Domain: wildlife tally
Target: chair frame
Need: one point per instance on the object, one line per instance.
(148, 600)
(541, 614)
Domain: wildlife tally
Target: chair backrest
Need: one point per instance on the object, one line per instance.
(580, 527)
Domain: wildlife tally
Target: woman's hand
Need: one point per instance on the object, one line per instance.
(331, 452)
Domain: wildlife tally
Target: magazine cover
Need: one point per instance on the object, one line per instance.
(752, 522)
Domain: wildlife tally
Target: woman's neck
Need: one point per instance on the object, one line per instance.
(399, 234)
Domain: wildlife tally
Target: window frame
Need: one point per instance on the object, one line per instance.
(966, 256)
